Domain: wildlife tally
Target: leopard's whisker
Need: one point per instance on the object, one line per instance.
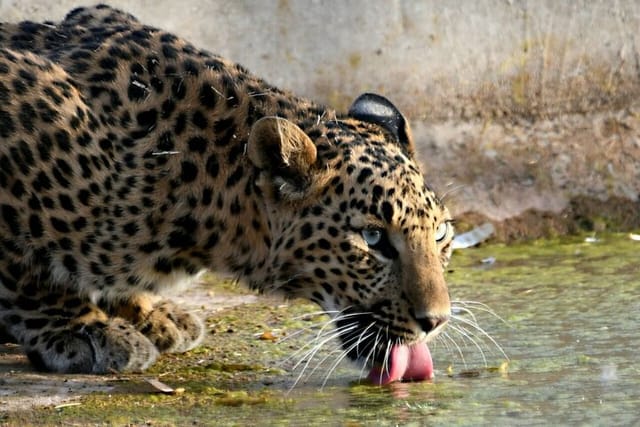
(479, 333)
(471, 338)
(324, 324)
(478, 306)
(344, 354)
(355, 338)
(371, 353)
(325, 337)
(309, 355)
(385, 359)
(318, 342)
(451, 191)
(460, 310)
(445, 336)
(335, 315)
(299, 353)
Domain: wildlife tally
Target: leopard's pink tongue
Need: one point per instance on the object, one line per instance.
(410, 363)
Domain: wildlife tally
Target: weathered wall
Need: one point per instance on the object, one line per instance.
(515, 104)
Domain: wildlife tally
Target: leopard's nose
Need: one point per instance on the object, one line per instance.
(429, 322)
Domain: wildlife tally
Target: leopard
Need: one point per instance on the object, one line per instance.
(131, 162)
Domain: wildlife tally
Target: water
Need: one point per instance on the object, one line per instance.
(572, 332)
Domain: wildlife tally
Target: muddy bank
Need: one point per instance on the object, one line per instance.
(582, 214)
(538, 177)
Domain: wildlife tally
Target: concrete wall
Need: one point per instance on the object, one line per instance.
(438, 58)
(516, 104)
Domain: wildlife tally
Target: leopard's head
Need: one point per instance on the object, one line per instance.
(358, 231)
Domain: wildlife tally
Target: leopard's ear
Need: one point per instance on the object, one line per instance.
(285, 153)
(378, 110)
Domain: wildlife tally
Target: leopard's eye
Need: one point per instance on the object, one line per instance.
(372, 236)
(378, 241)
(442, 231)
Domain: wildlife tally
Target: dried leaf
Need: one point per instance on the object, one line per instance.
(160, 386)
(66, 405)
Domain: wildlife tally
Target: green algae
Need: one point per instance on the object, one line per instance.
(567, 323)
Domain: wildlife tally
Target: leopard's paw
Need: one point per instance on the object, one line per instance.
(98, 348)
(172, 329)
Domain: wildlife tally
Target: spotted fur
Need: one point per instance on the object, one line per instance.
(131, 161)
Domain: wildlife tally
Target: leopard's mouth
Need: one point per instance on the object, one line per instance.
(391, 357)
